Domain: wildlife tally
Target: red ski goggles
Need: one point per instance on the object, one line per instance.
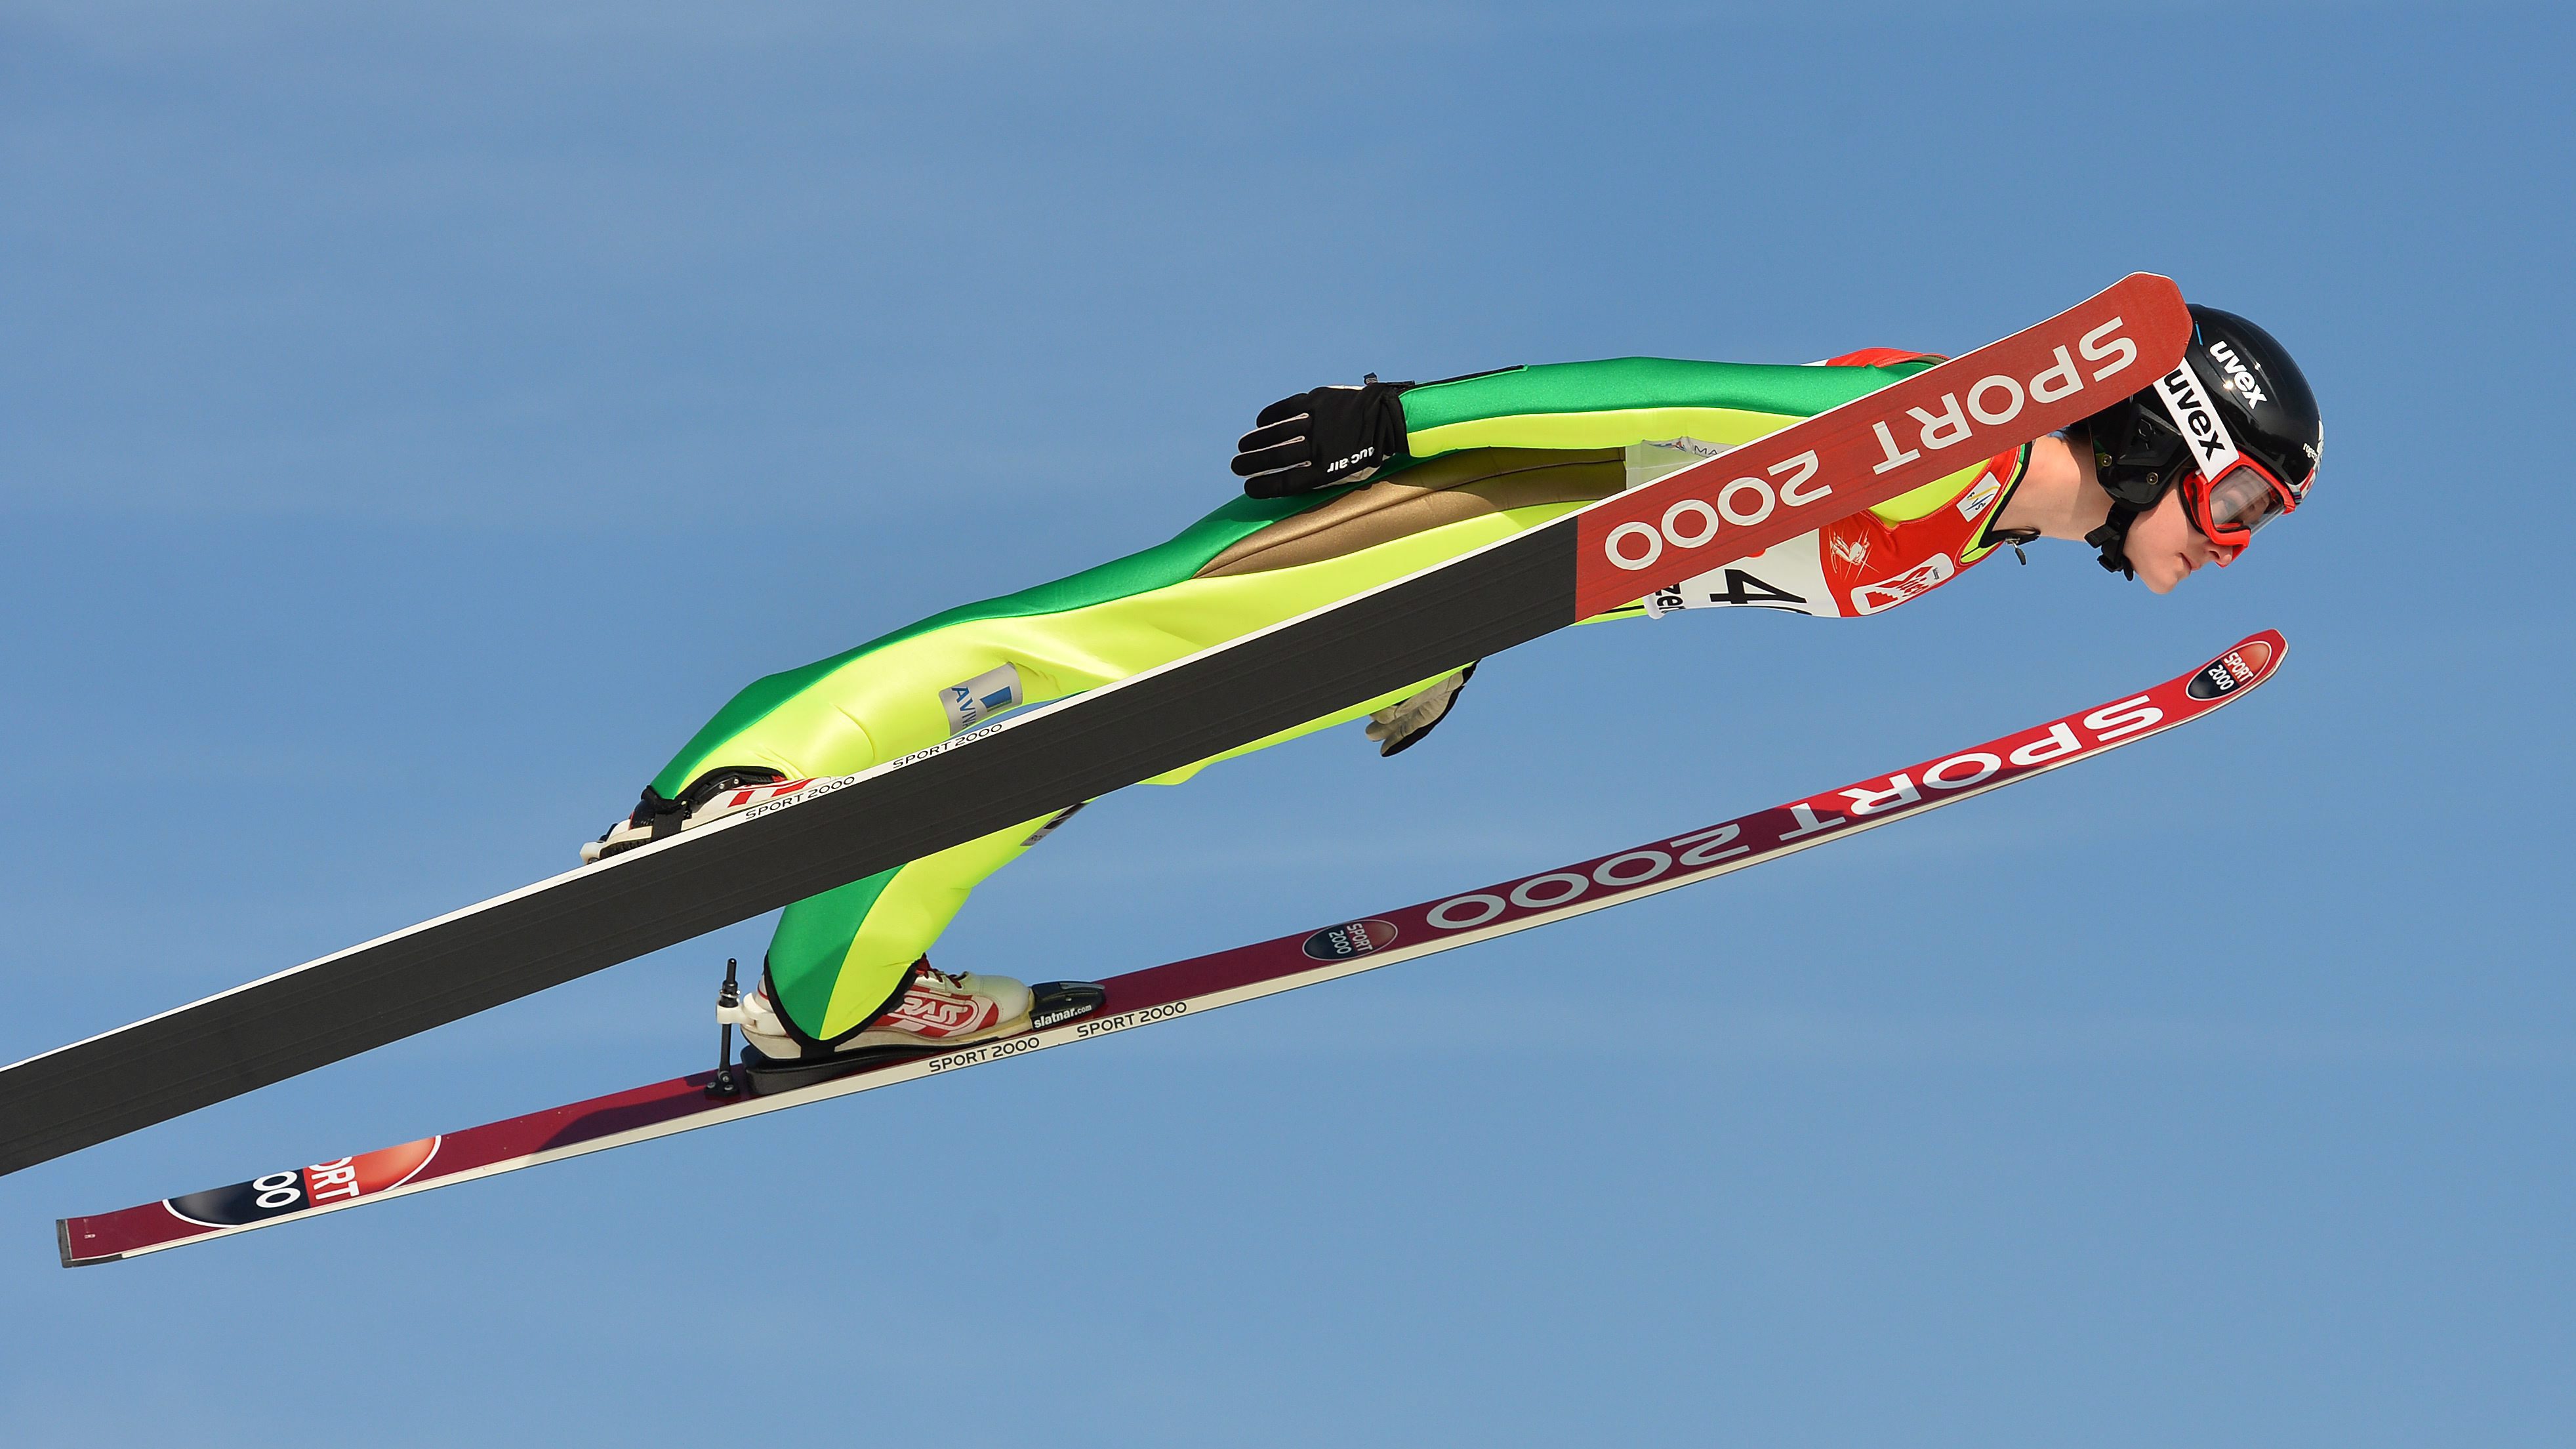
(2231, 507)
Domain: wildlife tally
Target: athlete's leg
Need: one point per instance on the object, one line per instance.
(838, 958)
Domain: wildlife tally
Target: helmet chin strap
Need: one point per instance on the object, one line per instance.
(2112, 538)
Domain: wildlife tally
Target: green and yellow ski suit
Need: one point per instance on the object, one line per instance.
(1489, 456)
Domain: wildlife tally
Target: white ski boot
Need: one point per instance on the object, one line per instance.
(711, 797)
(936, 1011)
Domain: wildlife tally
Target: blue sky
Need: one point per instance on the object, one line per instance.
(415, 422)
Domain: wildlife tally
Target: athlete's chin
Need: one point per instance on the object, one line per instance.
(2162, 578)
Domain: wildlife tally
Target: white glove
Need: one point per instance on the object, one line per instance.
(1400, 724)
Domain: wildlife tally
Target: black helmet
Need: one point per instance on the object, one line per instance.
(2237, 399)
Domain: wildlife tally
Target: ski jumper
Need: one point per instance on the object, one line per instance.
(1489, 456)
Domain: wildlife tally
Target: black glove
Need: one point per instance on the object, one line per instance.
(1338, 434)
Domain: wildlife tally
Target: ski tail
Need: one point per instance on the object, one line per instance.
(1203, 983)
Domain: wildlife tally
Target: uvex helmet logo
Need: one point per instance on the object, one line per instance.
(2188, 404)
(2239, 376)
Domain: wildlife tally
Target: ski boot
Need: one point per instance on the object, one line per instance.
(712, 796)
(936, 1012)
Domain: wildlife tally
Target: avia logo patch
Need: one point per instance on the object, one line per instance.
(1351, 938)
(324, 1184)
(1354, 460)
(2188, 404)
(971, 702)
(1921, 579)
(2239, 376)
(1974, 505)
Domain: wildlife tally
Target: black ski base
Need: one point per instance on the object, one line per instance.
(1052, 1002)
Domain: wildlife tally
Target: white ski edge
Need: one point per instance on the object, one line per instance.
(1087, 1028)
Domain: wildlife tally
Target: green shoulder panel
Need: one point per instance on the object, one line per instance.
(1165, 563)
(1565, 404)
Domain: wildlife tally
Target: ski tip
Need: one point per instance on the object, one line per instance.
(2157, 315)
(2266, 643)
(2158, 296)
(2272, 639)
(2155, 291)
(2249, 662)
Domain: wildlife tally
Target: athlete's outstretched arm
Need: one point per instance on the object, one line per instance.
(1348, 434)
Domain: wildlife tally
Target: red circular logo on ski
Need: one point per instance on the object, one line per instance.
(2232, 670)
(1351, 938)
(296, 1189)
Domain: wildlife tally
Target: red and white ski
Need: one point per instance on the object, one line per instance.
(1200, 984)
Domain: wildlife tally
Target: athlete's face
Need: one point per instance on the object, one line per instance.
(2165, 549)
